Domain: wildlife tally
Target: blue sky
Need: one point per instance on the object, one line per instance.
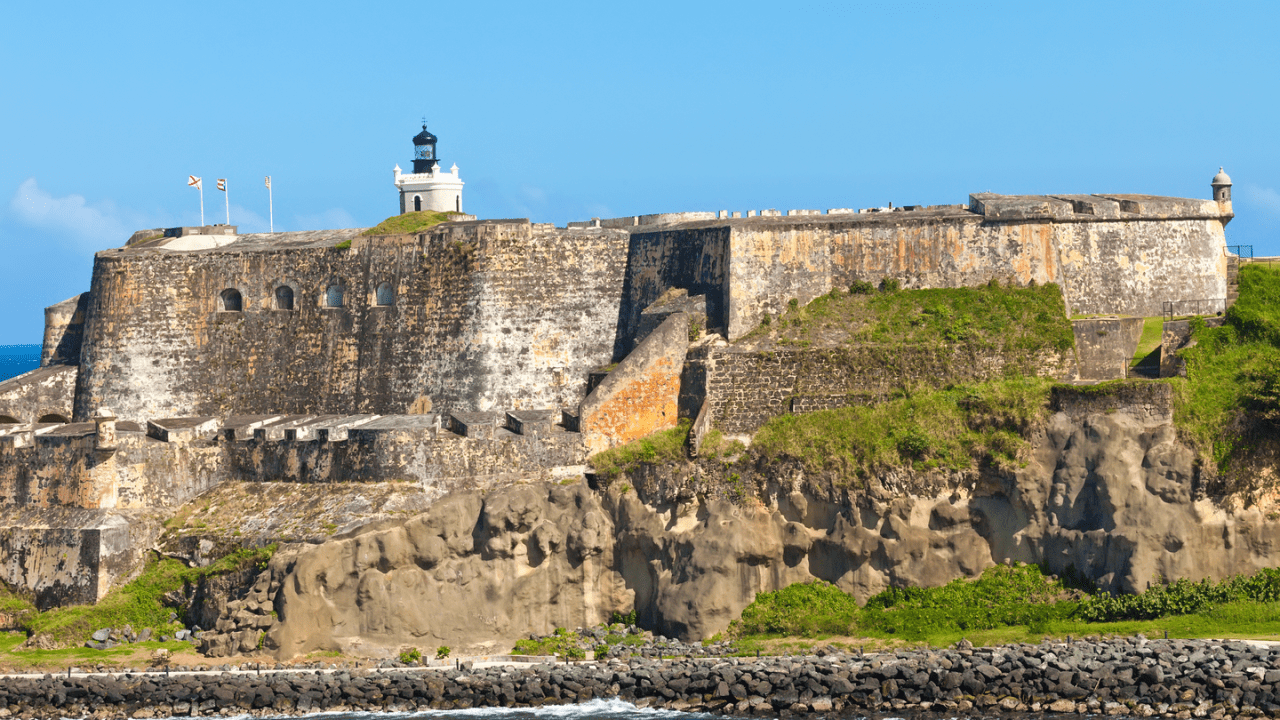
(564, 111)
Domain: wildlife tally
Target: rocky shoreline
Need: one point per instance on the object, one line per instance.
(1132, 677)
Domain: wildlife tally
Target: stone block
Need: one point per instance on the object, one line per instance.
(533, 422)
(477, 424)
(183, 429)
(1018, 207)
(239, 428)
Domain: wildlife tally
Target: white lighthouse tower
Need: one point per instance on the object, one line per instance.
(428, 188)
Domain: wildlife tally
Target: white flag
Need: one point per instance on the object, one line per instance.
(194, 182)
(268, 181)
(222, 184)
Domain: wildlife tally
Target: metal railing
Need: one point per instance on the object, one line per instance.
(1207, 306)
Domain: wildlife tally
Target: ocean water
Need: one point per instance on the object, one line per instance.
(18, 359)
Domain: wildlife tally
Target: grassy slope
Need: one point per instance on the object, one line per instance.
(409, 222)
(992, 317)
(956, 428)
(1234, 370)
(1149, 342)
(1010, 604)
(138, 603)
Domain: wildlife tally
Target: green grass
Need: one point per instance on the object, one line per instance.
(661, 447)
(567, 643)
(10, 655)
(1149, 342)
(1233, 372)
(1010, 604)
(11, 602)
(955, 428)
(410, 222)
(137, 603)
(1018, 320)
(563, 642)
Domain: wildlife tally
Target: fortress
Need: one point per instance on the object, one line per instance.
(477, 353)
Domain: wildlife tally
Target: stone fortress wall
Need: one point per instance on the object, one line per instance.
(1121, 254)
(466, 316)
(80, 504)
(459, 357)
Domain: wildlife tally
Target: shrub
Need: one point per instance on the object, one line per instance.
(442, 652)
(412, 655)
(890, 285)
(861, 287)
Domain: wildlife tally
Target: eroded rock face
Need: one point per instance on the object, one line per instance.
(1113, 494)
(470, 572)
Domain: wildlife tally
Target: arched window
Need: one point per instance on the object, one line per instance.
(333, 296)
(6, 420)
(417, 203)
(284, 298)
(53, 418)
(231, 300)
(385, 295)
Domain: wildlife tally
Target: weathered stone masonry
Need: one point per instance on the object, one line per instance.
(483, 316)
(1124, 254)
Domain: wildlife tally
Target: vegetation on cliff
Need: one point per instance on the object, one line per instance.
(664, 446)
(1012, 603)
(139, 603)
(957, 428)
(410, 222)
(1230, 400)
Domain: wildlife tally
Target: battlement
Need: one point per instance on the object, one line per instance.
(981, 206)
(167, 461)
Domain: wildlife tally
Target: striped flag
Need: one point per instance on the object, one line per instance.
(222, 184)
(268, 181)
(194, 182)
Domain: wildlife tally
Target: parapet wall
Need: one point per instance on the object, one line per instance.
(173, 460)
(467, 316)
(46, 392)
(744, 389)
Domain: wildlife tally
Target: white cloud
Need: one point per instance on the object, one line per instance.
(73, 220)
(1265, 198)
(333, 219)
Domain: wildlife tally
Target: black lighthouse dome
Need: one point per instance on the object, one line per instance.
(424, 151)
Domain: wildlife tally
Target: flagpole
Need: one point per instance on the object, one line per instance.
(271, 211)
(226, 195)
(200, 187)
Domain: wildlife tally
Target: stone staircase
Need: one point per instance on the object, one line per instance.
(1233, 279)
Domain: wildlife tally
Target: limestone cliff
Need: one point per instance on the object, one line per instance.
(1108, 489)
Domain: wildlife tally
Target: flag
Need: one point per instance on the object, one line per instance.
(194, 182)
(222, 184)
(268, 181)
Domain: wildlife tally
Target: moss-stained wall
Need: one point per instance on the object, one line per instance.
(744, 389)
(775, 260)
(1124, 254)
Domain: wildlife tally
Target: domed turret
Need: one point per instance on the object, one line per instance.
(1221, 186)
(424, 151)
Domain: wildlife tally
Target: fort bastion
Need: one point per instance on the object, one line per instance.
(482, 352)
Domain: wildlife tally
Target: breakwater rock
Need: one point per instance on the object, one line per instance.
(1173, 678)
